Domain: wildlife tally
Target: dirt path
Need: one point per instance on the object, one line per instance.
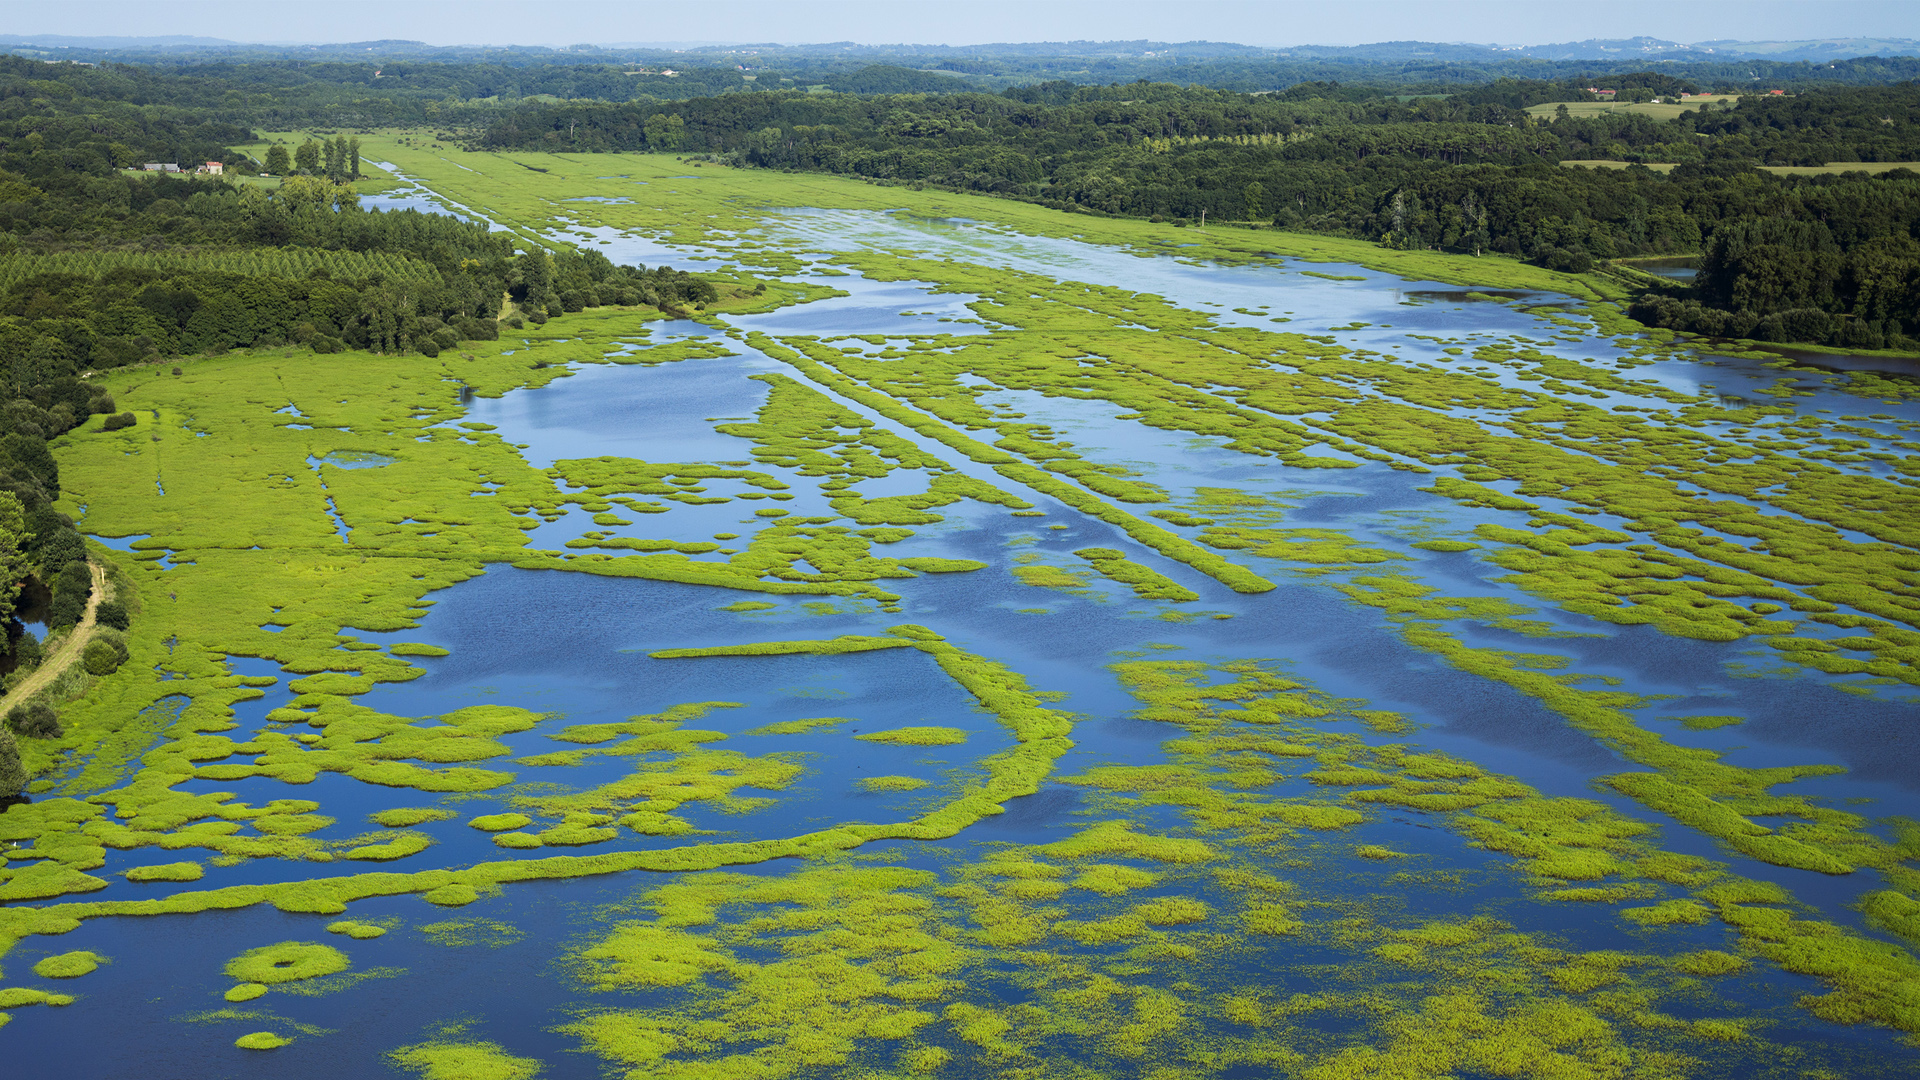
(51, 667)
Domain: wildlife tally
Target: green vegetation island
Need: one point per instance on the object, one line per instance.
(540, 567)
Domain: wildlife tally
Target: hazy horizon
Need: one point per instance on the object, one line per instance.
(1273, 23)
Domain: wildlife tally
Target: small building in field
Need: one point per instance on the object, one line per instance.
(211, 168)
(156, 166)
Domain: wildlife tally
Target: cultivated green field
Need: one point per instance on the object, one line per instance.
(1664, 110)
(1778, 170)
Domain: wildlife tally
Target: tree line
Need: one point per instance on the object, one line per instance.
(1471, 173)
(337, 159)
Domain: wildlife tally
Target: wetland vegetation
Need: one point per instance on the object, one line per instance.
(932, 635)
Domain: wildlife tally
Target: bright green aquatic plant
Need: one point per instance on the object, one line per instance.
(851, 643)
(289, 961)
(916, 736)
(1721, 524)
(892, 783)
(68, 965)
(179, 871)
(1144, 580)
(358, 931)
(450, 1058)
(405, 817)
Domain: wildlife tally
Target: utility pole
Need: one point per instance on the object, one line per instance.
(1203, 219)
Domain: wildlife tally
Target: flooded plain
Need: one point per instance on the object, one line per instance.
(1156, 960)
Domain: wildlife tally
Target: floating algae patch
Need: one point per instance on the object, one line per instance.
(289, 961)
(739, 973)
(797, 727)
(358, 931)
(1445, 545)
(68, 965)
(1707, 723)
(1043, 576)
(850, 643)
(461, 933)
(916, 736)
(114, 748)
(406, 816)
(1144, 580)
(892, 783)
(406, 648)
(451, 1056)
(175, 871)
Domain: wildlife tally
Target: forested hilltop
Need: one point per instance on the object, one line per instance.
(1821, 258)
(403, 74)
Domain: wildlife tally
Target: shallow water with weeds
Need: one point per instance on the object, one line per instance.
(1006, 644)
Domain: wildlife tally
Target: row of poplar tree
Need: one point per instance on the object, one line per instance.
(337, 159)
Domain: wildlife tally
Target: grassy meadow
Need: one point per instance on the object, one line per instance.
(1665, 109)
(1830, 169)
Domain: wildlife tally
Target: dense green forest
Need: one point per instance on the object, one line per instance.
(1468, 172)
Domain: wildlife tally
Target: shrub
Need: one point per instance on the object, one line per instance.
(43, 523)
(35, 720)
(111, 613)
(74, 577)
(71, 588)
(62, 548)
(1797, 324)
(102, 658)
(1567, 262)
(177, 371)
(13, 778)
(427, 348)
(66, 610)
(115, 423)
(469, 328)
(27, 653)
(101, 405)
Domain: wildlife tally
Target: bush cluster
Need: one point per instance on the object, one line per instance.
(35, 720)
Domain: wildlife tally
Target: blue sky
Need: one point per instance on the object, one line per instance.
(957, 22)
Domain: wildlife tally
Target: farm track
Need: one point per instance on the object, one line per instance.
(70, 650)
